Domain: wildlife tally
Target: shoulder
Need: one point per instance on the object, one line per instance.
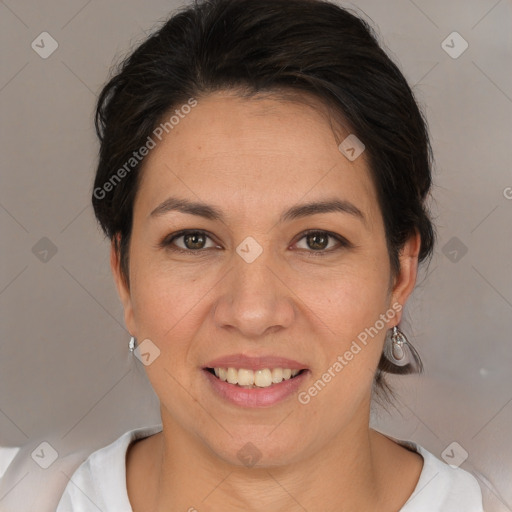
(99, 483)
(442, 488)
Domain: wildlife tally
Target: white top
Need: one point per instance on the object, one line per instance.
(99, 483)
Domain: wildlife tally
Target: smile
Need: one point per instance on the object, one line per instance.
(250, 379)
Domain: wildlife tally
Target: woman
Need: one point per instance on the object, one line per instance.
(263, 177)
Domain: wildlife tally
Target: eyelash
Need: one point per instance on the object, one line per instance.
(167, 242)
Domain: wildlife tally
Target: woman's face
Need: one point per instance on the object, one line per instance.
(253, 291)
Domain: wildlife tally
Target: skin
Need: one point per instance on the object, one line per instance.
(254, 158)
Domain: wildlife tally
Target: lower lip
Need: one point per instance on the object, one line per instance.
(255, 397)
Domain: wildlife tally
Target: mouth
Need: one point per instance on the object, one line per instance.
(255, 382)
(254, 379)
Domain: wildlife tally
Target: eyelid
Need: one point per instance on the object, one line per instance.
(167, 242)
(342, 242)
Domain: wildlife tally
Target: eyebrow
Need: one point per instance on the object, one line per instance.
(213, 213)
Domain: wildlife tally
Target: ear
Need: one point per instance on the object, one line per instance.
(406, 278)
(122, 286)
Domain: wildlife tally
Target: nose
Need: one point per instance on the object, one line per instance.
(254, 299)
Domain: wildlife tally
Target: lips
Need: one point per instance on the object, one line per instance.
(260, 381)
(254, 396)
(255, 363)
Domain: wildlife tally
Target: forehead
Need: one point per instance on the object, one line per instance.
(259, 153)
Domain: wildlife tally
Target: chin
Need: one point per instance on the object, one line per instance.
(259, 448)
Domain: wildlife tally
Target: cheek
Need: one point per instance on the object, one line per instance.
(347, 299)
(351, 332)
(169, 302)
(349, 350)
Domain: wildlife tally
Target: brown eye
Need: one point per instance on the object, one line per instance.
(319, 242)
(194, 240)
(190, 241)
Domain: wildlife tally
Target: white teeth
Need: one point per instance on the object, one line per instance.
(277, 375)
(245, 377)
(232, 376)
(263, 378)
(260, 378)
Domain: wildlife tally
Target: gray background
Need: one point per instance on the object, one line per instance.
(66, 376)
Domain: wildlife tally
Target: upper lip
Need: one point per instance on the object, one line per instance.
(255, 362)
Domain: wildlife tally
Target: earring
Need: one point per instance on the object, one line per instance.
(131, 344)
(397, 348)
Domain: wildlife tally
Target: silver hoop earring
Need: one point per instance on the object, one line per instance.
(131, 344)
(397, 348)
